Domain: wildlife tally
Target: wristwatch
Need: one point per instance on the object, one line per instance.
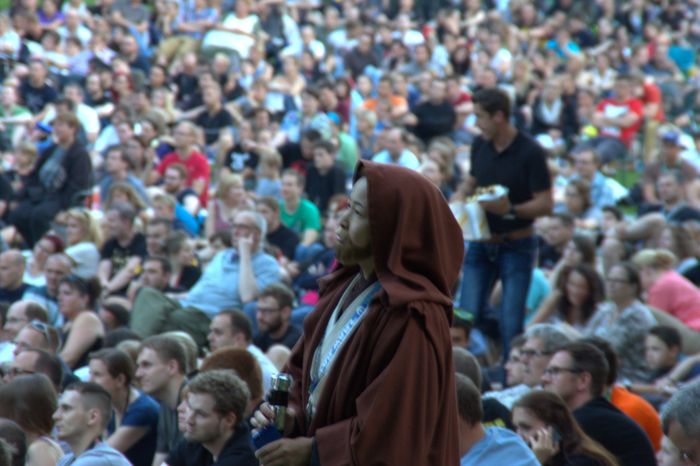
(511, 213)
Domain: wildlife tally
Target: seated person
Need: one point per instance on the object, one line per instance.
(232, 279)
(273, 312)
(123, 251)
(662, 355)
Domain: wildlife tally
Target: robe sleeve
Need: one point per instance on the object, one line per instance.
(409, 403)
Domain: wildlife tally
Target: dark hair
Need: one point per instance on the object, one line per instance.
(595, 291)
(242, 362)
(167, 349)
(49, 365)
(632, 275)
(118, 335)
(94, 396)
(311, 135)
(468, 400)
(669, 335)
(586, 246)
(281, 293)
(493, 100)
(588, 358)
(461, 323)
(160, 221)
(466, 364)
(117, 362)
(35, 311)
(86, 287)
(30, 401)
(13, 434)
(118, 310)
(163, 261)
(617, 213)
(610, 356)
(549, 408)
(239, 322)
(326, 146)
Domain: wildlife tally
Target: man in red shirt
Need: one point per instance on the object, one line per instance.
(620, 116)
(186, 153)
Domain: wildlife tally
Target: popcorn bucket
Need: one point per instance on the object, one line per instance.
(472, 218)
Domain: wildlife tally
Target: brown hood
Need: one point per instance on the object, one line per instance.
(417, 243)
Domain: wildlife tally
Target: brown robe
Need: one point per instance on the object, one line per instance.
(390, 397)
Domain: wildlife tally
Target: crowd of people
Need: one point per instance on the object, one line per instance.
(183, 183)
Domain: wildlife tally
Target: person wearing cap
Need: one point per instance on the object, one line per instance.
(668, 159)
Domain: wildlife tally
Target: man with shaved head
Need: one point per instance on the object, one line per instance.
(12, 286)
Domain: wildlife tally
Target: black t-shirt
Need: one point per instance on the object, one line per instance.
(10, 296)
(238, 159)
(619, 434)
(119, 255)
(292, 156)
(521, 167)
(320, 188)
(285, 239)
(434, 120)
(36, 98)
(212, 124)
(264, 340)
(238, 451)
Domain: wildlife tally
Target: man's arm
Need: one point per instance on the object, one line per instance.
(309, 237)
(540, 205)
(247, 285)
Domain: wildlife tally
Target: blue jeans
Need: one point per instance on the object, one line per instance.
(484, 263)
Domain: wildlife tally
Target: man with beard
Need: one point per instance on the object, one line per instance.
(272, 313)
(215, 425)
(378, 344)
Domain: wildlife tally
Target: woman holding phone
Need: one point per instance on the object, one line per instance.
(544, 421)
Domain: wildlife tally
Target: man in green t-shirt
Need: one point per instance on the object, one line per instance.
(301, 215)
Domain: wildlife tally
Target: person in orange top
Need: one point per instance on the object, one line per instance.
(634, 406)
(387, 98)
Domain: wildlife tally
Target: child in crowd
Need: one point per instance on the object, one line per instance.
(663, 347)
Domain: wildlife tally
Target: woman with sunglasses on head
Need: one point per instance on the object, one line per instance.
(544, 421)
(84, 239)
(82, 331)
(133, 427)
(624, 321)
(30, 401)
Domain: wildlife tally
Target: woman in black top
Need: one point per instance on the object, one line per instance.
(544, 421)
(82, 331)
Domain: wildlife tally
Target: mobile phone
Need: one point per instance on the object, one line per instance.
(556, 436)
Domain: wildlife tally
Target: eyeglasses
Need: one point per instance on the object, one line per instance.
(555, 371)
(265, 310)
(532, 353)
(41, 327)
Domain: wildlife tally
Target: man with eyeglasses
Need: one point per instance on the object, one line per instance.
(578, 373)
(272, 313)
(681, 422)
(233, 278)
(37, 334)
(18, 315)
(38, 361)
(541, 342)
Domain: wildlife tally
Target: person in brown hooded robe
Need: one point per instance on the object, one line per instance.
(384, 395)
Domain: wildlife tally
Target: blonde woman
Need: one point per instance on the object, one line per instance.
(230, 197)
(84, 240)
(666, 289)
